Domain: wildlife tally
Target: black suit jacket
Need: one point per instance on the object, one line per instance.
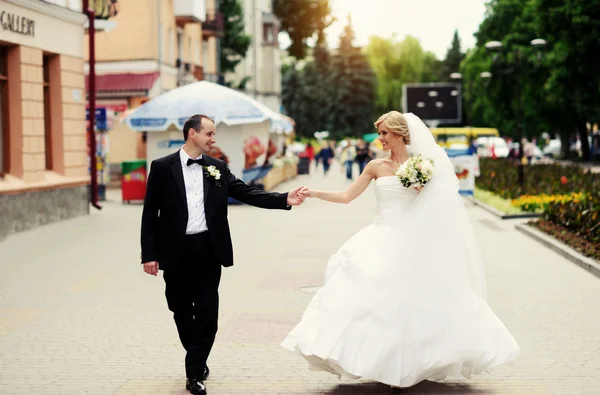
(165, 214)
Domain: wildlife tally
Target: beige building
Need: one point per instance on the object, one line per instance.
(262, 62)
(169, 44)
(43, 146)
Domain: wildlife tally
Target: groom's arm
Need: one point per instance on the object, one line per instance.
(150, 215)
(254, 196)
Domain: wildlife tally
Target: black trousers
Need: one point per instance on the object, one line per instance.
(192, 291)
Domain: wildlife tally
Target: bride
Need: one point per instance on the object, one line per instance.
(404, 299)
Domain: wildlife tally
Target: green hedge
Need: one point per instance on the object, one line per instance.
(501, 177)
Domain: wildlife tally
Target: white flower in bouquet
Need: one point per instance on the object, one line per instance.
(415, 172)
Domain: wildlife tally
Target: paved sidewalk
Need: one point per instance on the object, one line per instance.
(78, 315)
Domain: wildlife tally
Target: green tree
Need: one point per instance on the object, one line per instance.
(398, 63)
(307, 92)
(234, 43)
(518, 77)
(571, 28)
(302, 20)
(354, 89)
(556, 92)
(454, 57)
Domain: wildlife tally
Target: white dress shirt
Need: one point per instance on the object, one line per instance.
(194, 191)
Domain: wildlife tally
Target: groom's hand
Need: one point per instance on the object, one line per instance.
(295, 198)
(151, 268)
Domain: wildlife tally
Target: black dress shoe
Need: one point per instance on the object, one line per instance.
(195, 386)
(205, 375)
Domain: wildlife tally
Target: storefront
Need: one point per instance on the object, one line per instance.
(44, 174)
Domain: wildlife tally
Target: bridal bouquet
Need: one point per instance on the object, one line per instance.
(415, 172)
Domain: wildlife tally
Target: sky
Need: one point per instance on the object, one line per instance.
(431, 21)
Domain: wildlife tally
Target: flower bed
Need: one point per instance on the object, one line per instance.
(580, 216)
(567, 196)
(501, 177)
(538, 203)
(571, 239)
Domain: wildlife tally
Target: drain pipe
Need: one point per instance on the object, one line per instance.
(92, 103)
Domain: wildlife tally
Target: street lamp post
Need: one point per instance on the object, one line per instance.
(495, 47)
(459, 77)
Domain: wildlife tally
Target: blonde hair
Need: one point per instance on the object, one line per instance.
(396, 123)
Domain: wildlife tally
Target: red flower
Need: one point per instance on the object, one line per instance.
(563, 180)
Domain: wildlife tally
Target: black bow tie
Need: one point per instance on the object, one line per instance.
(199, 161)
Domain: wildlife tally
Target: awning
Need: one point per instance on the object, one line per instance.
(132, 83)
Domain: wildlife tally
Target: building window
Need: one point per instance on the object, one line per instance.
(3, 112)
(205, 55)
(180, 47)
(197, 52)
(269, 34)
(172, 48)
(47, 114)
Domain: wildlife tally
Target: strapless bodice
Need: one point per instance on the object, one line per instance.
(393, 198)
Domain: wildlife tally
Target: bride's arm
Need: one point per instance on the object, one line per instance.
(353, 191)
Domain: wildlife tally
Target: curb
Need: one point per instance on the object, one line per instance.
(502, 214)
(561, 248)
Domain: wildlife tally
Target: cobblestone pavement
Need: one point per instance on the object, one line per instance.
(78, 315)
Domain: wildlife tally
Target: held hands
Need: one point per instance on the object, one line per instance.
(307, 192)
(151, 268)
(295, 198)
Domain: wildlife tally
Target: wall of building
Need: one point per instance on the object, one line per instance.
(136, 34)
(47, 174)
(262, 62)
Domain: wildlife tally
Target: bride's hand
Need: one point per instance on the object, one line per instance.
(307, 192)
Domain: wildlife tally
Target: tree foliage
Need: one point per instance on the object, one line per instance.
(331, 91)
(555, 90)
(303, 20)
(235, 41)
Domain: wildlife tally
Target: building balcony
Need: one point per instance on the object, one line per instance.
(105, 9)
(189, 11)
(214, 25)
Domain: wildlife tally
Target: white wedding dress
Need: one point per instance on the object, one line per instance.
(404, 299)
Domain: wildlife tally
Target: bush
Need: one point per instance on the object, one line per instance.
(580, 216)
(501, 177)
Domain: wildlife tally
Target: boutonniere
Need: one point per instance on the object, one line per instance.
(214, 173)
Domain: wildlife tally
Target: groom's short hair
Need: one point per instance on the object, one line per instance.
(194, 122)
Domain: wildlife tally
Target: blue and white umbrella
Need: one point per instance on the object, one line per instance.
(216, 101)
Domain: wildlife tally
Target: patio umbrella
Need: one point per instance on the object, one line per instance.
(370, 137)
(216, 101)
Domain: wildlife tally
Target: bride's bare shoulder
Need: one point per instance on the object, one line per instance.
(376, 167)
(378, 162)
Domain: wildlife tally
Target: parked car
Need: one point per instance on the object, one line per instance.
(485, 145)
(553, 148)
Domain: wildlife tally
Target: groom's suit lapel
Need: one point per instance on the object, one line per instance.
(207, 182)
(178, 173)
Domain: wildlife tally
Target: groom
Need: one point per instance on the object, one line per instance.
(185, 233)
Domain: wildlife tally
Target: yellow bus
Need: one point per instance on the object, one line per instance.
(461, 137)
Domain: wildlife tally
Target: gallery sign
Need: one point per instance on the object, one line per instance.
(17, 24)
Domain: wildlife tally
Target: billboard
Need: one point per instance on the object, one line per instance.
(433, 101)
